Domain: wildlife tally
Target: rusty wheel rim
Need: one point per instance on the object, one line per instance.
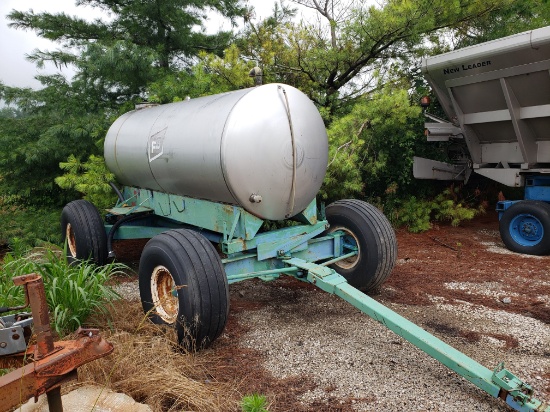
(164, 294)
(351, 240)
(71, 241)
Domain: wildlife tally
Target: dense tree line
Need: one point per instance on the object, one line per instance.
(358, 61)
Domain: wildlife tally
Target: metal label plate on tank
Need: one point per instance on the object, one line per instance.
(156, 144)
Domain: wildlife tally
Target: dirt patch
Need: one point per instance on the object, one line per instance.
(129, 251)
(471, 336)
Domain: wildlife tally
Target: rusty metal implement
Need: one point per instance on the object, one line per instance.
(53, 363)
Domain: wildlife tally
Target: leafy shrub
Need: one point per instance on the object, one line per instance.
(91, 178)
(25, 227)
(448, 208)
(73, 291)
(417, 214)
(372, 147)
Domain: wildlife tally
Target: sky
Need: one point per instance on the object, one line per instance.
(15, 44)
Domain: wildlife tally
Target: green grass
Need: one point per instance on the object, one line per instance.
(254, 403)
(73, 291)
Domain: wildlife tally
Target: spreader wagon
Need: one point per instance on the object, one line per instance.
(202, 176)
(496, 96)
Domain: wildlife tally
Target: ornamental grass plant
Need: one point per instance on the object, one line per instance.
(73, 291)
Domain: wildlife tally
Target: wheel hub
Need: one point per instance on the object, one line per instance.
(164, 294)
(71, 240)
(527, 230)
(350, 243)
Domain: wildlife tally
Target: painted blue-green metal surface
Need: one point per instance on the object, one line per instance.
(309, 215)
(231, 221)
(242, 266)
(302, 252)
(499, 383)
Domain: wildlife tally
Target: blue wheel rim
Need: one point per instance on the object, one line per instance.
(526, 230)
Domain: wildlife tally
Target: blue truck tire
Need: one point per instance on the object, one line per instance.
(525, 227)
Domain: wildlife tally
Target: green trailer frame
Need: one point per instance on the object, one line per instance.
(308, 250)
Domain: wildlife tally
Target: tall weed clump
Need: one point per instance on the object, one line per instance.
(149, 365)
(73, 291)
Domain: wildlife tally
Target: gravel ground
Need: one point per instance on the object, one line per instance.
(128, 290)
(351, 356)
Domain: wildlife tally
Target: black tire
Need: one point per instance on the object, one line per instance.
(367, 227)
(83, 229)
(184, 263)
(525, 227)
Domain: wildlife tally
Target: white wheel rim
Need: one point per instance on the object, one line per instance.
(351, 262)
(71, 241)
(164, 294)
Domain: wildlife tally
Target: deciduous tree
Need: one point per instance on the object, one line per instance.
(334, 58)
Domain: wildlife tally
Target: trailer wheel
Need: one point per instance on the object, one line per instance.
(525, 227)
(367, 229)
(82, 228)
(182, 283)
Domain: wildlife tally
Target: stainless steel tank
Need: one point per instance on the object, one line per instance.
(263, 148)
